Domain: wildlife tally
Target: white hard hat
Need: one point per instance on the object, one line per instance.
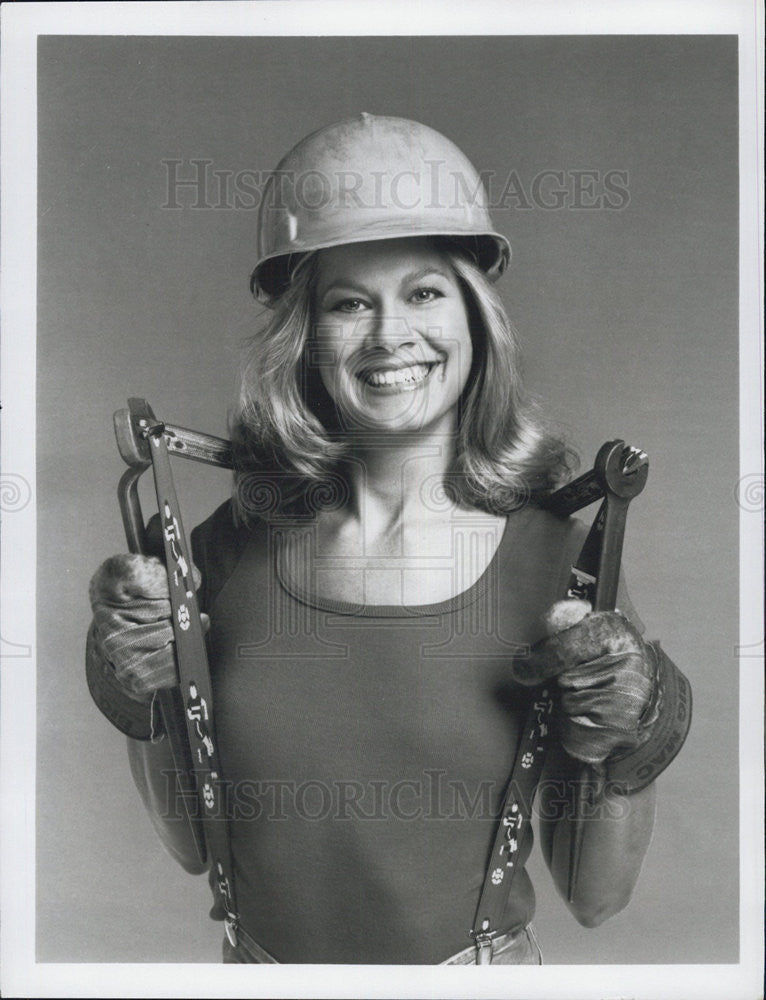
(371, 178)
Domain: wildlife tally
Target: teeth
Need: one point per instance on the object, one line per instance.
(415, 373)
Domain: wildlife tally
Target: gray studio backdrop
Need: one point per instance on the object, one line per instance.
(626, 303)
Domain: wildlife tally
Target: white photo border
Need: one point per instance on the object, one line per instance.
(21, 25)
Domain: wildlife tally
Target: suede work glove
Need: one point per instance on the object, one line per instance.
(132, 626)
(606, 676)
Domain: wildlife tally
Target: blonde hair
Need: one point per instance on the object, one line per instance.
(289, 451)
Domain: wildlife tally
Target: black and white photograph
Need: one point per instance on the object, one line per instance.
(382, 499)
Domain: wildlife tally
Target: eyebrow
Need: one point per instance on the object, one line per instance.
(407, 279)
(425, 272)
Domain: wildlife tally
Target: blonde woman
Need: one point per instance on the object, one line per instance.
(377, 589)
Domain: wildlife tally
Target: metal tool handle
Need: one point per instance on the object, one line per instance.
(623, 472)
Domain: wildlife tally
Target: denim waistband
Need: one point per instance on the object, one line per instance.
(517, 947)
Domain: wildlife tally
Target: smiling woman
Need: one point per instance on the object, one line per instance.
(390, 321)
(376, 626)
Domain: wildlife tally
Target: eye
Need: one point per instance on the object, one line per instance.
(348, 306)
(421, 296)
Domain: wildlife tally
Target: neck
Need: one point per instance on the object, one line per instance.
(397, 479)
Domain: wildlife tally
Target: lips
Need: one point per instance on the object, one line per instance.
(388, 376)
(409, 375)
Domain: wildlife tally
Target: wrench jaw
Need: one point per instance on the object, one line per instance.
(133, 428)
(621, 470)
(133, 445)
(633, 460)
(131, 442)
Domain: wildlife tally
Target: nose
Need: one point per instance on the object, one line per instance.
(386, 329)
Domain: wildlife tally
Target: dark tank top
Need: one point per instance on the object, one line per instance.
(367, 748)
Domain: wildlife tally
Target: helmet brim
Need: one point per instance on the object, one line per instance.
(491, 252)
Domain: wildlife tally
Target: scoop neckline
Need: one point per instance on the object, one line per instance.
(351, 608)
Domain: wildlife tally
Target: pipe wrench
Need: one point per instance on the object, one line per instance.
(134, 427)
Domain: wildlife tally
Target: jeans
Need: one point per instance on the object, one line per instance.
(518, 947)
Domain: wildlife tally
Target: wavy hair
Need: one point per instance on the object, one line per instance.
(289, 450)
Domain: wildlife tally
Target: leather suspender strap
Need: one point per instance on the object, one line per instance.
(515, 818)
(193, 672)
(619, 473)
(516, 814)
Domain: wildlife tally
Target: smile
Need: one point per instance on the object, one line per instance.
(404, 378)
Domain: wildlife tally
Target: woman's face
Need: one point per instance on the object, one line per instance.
(391, 339)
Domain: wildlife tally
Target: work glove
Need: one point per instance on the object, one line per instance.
(132, 627)
(606, 675)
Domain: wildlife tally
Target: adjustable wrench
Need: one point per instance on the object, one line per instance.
(619, 473)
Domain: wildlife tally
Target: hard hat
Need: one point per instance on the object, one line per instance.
(371, 178)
